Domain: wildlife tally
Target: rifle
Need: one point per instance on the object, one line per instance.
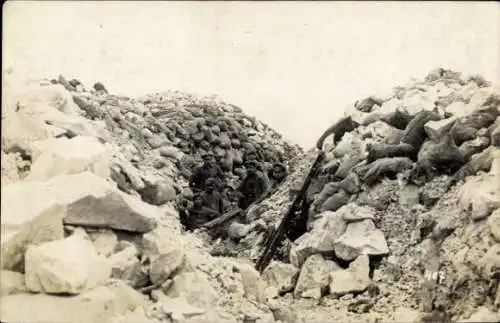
(277, 237)
(223, 218)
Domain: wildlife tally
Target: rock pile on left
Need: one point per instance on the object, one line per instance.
(56, 187)
(89, 227)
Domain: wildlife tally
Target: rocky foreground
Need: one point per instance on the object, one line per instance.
(90, 230)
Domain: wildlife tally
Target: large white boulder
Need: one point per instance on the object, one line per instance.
(34, 211)
(314, 277)
(361, 238)
(55, 157)
(165, 251)
(67, 266)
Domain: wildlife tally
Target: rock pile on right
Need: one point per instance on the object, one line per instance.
(403, 216)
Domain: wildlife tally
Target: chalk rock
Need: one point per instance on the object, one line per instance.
(159, 192)
(177, 308)
(355, 279)
(96, 305)
(483, 97)
(458, 109)
(193, 288)
(281, 275)
(336, 201)
(84, 198)
(495, 134)
(345, 144)
(70, 265)
(286, 314)
(165, 250)
(18, 131)
(361, 238)
(490, 262)
(367, 104)
(403, 314)
(25, 224)
(436, 129)
(10, 167)
(11, 283)
(158, 141)
(104, 241)
(253, 285)
(494, 224)
(481, 195)
(313, 278)
(474, 146)
(138, 315)
(171, 152)
(415, 102)
(379, 131)
(125, 265)
(353, 212)
(69, 156)
(54, 96)
(326, 230)
(483, 314)
(99, 204)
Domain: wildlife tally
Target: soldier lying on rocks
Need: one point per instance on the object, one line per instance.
(209, 169)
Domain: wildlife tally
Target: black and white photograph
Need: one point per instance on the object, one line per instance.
(250, 162)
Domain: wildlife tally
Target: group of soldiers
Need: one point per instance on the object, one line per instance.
(214, 196)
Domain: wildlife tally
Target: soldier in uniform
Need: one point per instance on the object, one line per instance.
(211, 198)
(277, 174)
(199, 214)
(209, 169)
(255, 186)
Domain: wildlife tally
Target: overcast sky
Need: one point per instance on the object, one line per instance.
(294, 65)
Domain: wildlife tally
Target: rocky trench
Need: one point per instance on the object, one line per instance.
(393, 235)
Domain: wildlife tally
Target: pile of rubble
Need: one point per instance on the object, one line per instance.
(403, 216)
(89, 184)
(414, 176)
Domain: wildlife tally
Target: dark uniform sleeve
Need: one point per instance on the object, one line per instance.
(220, 174)
(195, 177)
(221, 204)
(265, 184)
